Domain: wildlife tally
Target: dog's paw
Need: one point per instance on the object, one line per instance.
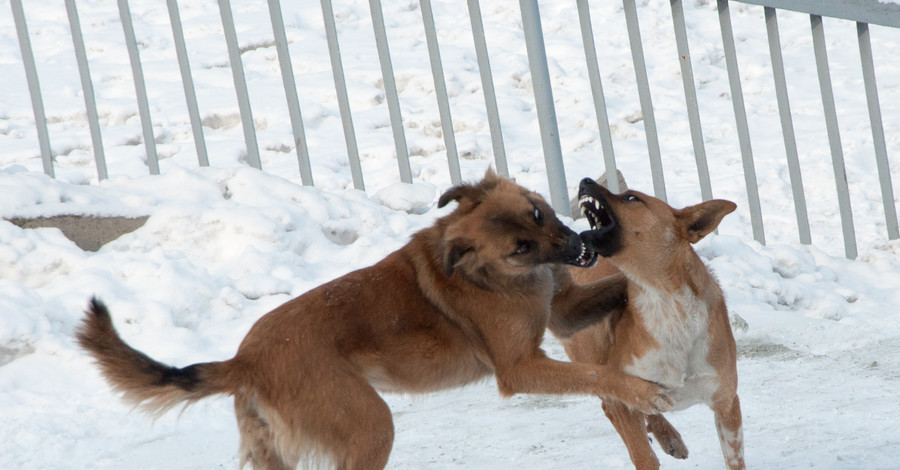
(646, 397)
(663, 400)
(675, 448)
(668, 437)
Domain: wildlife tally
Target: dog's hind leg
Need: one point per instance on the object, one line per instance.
(731, 434)
(667, 436)
(367, 423)
(349, 420)
(630, 425)
(258, 437)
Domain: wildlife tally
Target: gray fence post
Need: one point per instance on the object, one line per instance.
(34, 87)
(740, 117)
(290, 92)
(690, 98)
(187, 82)
(240, 84)
(440, 90)
(881, 159)
(140, 88)
(643, 85)
(340, 86)
(590, 54)
(834, 135)
(390, 90)
(546, 111)
(87, 86)
(787, 126)
(487, 87)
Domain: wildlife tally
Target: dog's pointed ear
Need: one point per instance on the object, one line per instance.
(490, 176)
(473, 192)
(456, 193)
(454, 251)
(699, 220)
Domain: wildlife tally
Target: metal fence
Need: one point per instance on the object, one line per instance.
(862, 12)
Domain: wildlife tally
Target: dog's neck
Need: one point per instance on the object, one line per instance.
(485, 278)
(668, 273)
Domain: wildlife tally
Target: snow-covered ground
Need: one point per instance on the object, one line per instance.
(223, 245)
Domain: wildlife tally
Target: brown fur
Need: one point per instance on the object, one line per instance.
(670, 291)
(466, 298)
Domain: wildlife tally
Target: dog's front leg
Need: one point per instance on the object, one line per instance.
(630, 425)
(540, 374)
(576, 306)
(731, 434)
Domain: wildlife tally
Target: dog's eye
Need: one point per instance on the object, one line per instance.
(631, 198)
(538, 216)
(522, 247)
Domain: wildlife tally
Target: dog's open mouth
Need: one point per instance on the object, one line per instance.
(586, 258)
(605, 234)
(595, 211)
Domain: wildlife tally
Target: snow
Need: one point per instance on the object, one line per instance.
(820, 336)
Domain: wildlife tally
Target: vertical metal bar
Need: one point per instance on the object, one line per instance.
(187, 82)
(34, 86)
(834, 135)
(240, 84)
(88, 88)
(787, 125)
(390, 90)
(487, 86)
(440, 90)
(643, 84)
(140, 88)
(590, 54)
(546, 111)
(690, 98)
(340, 85)
(881, 160)
(290, 92)
(740, 117)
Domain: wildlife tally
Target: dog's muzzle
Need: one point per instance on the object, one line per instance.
(586, 257)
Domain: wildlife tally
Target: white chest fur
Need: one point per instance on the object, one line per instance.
(678, 322)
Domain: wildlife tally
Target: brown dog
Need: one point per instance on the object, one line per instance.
(468, 297)
(674, 330)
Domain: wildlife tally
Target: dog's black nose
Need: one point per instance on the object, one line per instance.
(585, 184)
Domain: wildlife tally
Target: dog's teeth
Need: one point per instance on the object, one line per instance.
(596, 204)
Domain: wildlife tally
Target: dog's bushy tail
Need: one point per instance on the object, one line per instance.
(144, 382)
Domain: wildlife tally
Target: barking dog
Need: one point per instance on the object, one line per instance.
(466, 298)
(674, 330)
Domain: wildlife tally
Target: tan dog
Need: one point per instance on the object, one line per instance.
(674, 330)
(467, 298)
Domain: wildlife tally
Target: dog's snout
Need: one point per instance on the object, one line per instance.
(567, 240)
(573, 243)
(585, 184)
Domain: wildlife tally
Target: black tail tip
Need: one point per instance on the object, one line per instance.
(97, 308)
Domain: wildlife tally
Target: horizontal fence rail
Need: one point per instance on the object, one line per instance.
(861, 12)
